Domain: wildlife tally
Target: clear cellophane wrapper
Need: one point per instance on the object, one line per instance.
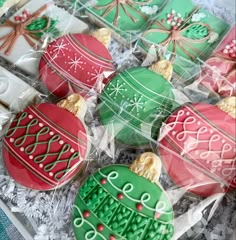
(45, 215)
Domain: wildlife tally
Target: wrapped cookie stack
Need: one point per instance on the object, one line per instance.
(117, 119)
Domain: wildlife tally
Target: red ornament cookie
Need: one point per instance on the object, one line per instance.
(75, 63)
(44, 146)
(222, 63)
(198, 148)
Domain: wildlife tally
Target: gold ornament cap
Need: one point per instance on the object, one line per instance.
(74, 104)
(103, 35)
(147, 165)
(228, 105)
(164, 68)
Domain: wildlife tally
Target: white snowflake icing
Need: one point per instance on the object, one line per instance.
(197, 17)
(116, 89)
(60, 47)
(149, 10)
(136, 104)
(75, 63)
(97, 74)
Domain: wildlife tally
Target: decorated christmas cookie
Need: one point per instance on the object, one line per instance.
(222, 62)
(14, 93)
(46, 144)
(185, 29)
(123, 15)
(35, 24)
(135, 103)
(118, 202)
(76, 63)
(198, 148)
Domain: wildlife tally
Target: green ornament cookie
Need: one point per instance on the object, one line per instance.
(135, 103)
(118, 202)
(123, 15)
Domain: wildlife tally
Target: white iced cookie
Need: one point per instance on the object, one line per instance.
(15, 94)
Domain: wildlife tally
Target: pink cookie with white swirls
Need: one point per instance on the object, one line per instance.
(197, 146)
(221, 76)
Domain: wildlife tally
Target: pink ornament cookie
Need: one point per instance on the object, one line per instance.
(75, 63)
(45, 146)
(197, 147)
(222, 63)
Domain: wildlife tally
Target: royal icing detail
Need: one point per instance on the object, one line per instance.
(173, 19)
(230, 49)
(202, 144)
(75, 62)
(132, 99)
(120, 215)
(43, 148)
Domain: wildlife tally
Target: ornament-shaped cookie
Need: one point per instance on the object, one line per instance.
(198, 149)
(121, 202)
(46, 144)
(222, 63)
(135, 103)
(77, 63)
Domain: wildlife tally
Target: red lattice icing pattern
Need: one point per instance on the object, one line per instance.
(198, 149)
(43, 150)
(75, 63)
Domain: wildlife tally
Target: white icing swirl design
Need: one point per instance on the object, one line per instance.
(79, 222)
(217, 147)
(129, 187)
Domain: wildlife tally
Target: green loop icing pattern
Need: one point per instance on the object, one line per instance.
(120, 218)
(31, 131)
(196, 31)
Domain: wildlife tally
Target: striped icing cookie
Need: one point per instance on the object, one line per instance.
(41, 149)
(198, 148)
(134, 104)
(75, 63)
(121, 202)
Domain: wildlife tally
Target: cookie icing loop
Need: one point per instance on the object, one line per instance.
(126, 206)
(41, 149)
(198, 148)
